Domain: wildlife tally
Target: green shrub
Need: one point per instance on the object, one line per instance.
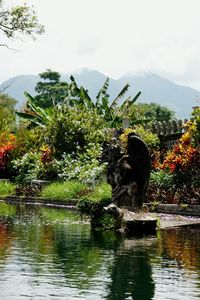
(161, 187)
(27, 167)
(7, 188)
(162, 179)
(63, 190)
(74, 130)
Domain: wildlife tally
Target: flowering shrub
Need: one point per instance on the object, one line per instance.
(194, 128)
(184, 161)
(27, 167)
(36, 165)
(7, 144)
(180, 168)
(74, 137)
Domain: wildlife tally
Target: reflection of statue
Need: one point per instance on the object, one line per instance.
(131, 272)
(128, 174)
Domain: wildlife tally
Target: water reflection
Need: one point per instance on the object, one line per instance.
(131, 273)
(181, 245)
(51, 253)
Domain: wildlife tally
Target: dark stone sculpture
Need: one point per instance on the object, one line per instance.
(128, 174)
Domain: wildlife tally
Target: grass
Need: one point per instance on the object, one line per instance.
(76, 190)
(63, 190)
(7, 188)
(67, 190)
(101, 192)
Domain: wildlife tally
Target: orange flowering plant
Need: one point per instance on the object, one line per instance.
(7, 145)
(184, 159)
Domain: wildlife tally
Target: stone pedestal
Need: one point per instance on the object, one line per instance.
(134, 223)
(138, 223)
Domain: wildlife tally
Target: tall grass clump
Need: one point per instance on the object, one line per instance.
(7, 188)
(63, 190)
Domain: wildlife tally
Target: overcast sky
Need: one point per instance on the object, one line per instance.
(112, 36)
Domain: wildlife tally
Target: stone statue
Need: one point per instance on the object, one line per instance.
(128, 174)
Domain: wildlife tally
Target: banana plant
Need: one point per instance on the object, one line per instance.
(111, 111)
(34, 113)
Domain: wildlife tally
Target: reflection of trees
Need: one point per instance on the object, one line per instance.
(77, 256)
(131, 274)
(6, 237)
(6, 240)
(182, 246)
(53, 241)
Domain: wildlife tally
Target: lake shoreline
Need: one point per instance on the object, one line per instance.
(169, 215)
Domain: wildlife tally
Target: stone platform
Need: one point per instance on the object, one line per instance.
(139, 223)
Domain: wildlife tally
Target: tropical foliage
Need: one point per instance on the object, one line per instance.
(143, 113)
(54, 93)
(7, 113)
(181, 168)
(68, 147)
(35, 113)
(111, 110)
(184, 160)
(7, 145)
(60, 134)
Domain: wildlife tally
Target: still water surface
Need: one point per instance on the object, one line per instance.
(51, 254)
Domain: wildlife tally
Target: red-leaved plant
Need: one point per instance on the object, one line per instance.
(7, 144)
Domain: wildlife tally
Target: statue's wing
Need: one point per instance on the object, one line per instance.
(137, 149)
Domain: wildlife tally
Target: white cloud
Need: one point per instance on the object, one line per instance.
(114, 37)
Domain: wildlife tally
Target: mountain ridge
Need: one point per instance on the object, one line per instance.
(154, 88)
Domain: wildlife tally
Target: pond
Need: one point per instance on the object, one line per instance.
(50, 253)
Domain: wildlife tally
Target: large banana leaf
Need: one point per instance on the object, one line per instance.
(120, 95)
(31, 101)
(74, 89)
(36, 114)
(129, 101)
(102, 92)
(33, 119)
(87, 101)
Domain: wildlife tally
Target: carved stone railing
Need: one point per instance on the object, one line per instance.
(168, 132)
(168, 128)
